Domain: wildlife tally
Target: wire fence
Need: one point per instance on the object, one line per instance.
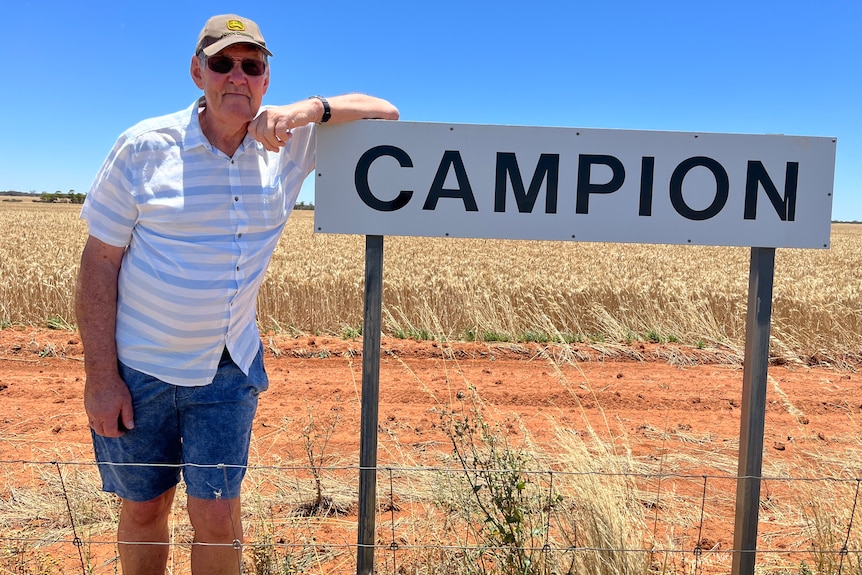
(470, 517)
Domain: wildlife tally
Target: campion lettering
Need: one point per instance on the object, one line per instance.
(547, 175)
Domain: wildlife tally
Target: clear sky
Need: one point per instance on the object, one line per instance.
(79, 73)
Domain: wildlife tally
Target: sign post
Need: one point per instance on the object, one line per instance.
(753, 417)
(378, 178)
(371, 329)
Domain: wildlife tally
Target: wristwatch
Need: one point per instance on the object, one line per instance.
(327, 111)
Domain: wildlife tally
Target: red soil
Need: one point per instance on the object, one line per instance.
(640, 400)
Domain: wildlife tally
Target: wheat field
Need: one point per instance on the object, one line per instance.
(607, 295)
(602, 294)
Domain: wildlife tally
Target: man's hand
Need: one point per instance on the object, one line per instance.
(109, 405)
(272, 126)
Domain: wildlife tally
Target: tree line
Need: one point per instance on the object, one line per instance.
(58, 197)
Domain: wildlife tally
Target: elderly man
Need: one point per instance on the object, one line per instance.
(183, 218)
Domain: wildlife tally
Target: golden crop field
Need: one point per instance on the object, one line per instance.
(604, 294)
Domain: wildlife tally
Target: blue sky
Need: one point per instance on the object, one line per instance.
(86, 71)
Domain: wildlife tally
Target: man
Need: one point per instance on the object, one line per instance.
(183, 219)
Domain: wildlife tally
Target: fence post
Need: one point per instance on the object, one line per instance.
(371, 328)
(752, 420)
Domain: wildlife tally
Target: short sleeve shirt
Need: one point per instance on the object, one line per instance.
(199, 229)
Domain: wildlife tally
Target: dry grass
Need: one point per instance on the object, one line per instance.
(587, 505)
(485, 289)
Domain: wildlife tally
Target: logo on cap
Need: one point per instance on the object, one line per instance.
(235, 25)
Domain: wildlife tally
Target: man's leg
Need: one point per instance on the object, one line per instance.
(216, 521)
(216, 425)
(143, 525)
(147, 491)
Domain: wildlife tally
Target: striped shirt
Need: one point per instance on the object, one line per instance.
(200, 228)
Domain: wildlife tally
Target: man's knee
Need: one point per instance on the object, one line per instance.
(215, 520)
(150, 512)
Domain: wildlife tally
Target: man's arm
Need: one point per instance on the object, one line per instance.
(106, 396)
(272, 126)
(350, 107)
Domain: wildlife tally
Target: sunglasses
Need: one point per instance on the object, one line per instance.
(224, 64)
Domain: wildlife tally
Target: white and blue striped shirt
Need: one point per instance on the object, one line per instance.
(200, 229)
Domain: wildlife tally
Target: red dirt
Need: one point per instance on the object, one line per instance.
(649, 405)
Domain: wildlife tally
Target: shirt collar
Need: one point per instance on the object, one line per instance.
(194, 135)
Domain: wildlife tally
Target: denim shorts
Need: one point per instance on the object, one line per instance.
(200, 432)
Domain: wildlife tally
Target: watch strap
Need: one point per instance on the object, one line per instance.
(327, 111)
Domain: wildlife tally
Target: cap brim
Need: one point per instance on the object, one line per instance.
(220, 45)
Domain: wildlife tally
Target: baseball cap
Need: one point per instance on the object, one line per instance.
(227, 29)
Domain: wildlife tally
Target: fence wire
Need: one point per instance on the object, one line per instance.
(449, 520)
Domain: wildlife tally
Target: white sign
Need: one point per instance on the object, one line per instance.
(509, 182)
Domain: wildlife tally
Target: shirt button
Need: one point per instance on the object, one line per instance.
(239, 235)
(236, 198)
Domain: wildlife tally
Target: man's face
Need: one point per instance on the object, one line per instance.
(233, 97)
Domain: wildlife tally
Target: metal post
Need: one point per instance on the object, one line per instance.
(752, 422)
(371, 328)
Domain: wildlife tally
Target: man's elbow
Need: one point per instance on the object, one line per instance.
(392, 113)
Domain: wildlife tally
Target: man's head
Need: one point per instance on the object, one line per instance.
(227, 29)
(230, 66)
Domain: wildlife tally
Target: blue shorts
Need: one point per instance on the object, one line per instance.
(202, 432)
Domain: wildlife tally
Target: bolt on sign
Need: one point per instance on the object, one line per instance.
(572, 184)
